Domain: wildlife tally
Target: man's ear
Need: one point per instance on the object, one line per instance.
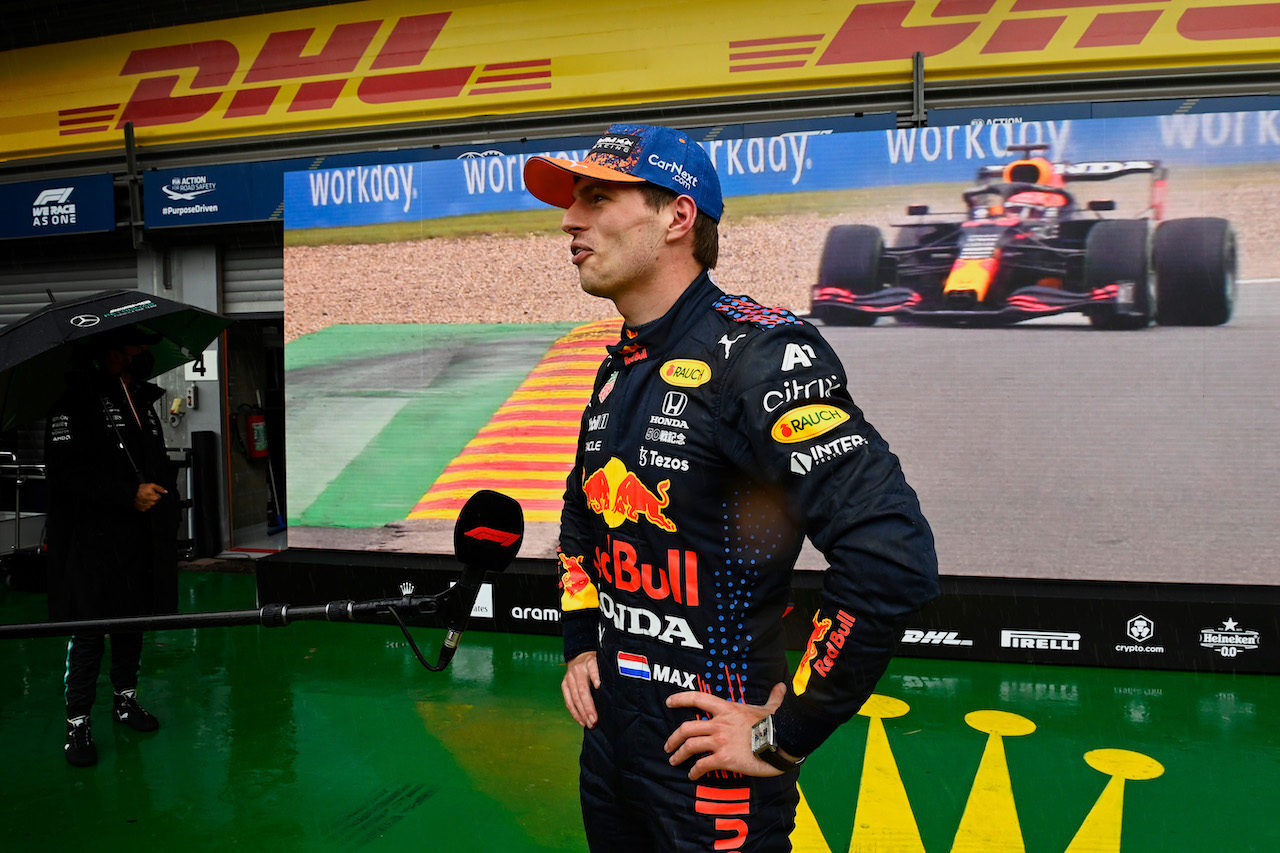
(684, 211)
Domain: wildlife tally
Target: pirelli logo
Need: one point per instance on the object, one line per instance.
(299, 71)
(880, 31)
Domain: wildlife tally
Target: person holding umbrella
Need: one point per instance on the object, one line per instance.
(112, 522)
(113, 511)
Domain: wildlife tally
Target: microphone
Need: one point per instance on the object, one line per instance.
(486, 538)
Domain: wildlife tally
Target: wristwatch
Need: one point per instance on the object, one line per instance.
(764, 744)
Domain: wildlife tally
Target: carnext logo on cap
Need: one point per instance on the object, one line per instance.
(678, 172)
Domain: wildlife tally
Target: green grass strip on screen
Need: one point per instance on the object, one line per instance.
(395, 468)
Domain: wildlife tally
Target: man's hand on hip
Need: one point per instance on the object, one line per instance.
(724, 741)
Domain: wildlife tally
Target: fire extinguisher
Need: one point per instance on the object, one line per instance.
(255, 427)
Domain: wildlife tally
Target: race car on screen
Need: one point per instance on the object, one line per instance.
(1025, 247)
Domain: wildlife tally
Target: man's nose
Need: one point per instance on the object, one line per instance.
(571, 222)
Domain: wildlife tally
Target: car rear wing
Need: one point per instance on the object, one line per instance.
(1095, 170)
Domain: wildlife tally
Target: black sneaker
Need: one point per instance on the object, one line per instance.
(80, 750)
(128, 711)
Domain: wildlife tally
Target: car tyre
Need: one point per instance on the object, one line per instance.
(851, 261)
(1118, 250)
(1195, 261)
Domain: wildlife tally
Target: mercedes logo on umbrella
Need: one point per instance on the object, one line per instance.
(84, 321)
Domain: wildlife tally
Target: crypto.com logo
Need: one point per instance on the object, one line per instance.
(876, 32)
(287, 57)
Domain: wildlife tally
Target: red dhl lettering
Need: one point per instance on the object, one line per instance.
(678, 580)
(284, 58)
(878, 32)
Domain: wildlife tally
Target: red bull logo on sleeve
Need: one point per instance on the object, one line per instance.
(811, 663)
(617, 495)
(578, 591)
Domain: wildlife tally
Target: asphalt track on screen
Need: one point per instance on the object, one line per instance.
(330, 738)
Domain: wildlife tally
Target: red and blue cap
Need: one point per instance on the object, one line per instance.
(632, 153)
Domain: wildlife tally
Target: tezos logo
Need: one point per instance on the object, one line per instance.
(807, 422)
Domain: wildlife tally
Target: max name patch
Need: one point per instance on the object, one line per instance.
(806, 422)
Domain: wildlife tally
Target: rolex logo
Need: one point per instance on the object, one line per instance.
(885, 821)
(406, 587)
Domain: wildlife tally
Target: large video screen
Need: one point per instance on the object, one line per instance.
(1104, 409)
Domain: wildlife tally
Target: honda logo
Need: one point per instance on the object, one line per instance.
(673, 404)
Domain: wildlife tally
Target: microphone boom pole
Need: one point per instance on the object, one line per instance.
(489, 532)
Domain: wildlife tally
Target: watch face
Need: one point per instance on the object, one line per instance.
(762, 736)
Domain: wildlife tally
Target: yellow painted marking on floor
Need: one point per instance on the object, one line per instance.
(1100, 832)
(990, 820)
(883, 821)
(807, 836)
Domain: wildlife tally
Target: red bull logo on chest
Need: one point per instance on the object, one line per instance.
(617, 495)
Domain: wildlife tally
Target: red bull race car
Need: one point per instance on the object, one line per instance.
(1026, 247)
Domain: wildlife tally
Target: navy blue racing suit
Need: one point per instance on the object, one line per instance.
(716, 438)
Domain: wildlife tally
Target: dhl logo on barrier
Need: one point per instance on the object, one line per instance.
(617, 495)
(386, 61)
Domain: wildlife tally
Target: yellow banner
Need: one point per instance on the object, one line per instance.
(396, 61)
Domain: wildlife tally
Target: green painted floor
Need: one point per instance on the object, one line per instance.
(323, 737)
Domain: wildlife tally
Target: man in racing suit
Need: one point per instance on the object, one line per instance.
(718, 434)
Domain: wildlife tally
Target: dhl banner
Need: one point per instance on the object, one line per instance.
(395, 61)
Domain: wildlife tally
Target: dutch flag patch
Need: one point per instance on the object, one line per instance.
(634, 666)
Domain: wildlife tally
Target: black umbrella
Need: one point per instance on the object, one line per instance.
(37, 351)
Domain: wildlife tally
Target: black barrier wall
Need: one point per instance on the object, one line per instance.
(1193, 627)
